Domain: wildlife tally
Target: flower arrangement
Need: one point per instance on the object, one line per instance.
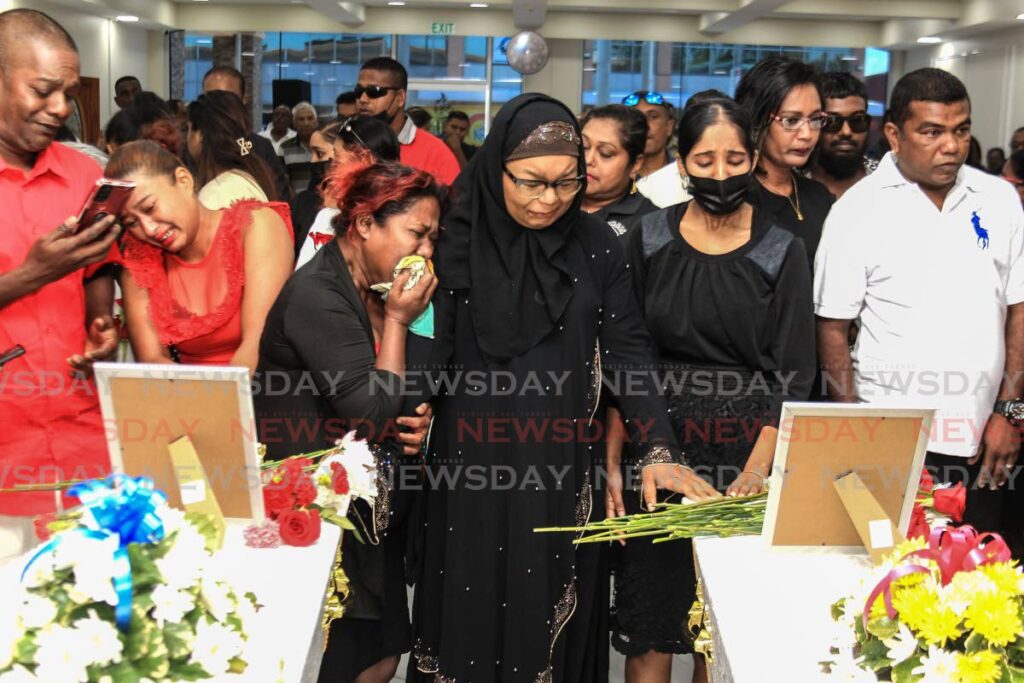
(728, 516)
(302, 490)
(946, 609)
(936, 506)
(124, 590)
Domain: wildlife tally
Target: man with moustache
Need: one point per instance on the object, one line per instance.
(381, 92)
(928, 255)
(841, 161)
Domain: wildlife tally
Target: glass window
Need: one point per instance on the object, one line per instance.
(198, 60)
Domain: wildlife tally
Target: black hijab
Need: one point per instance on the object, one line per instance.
(519, 277)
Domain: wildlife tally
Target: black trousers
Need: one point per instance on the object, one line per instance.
(1000, 511)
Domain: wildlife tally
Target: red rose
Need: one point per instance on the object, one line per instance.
(305, 491)
(41, 525)
(951, 501)
(293, 470)
(918, 524)
(339, 479)
(299, 527)
(927, 483)
(277, 498)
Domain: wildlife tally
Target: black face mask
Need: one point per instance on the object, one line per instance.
(385, 117)
(720, 197)
(318, 171)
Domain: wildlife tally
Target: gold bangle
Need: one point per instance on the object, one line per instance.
(756, 474)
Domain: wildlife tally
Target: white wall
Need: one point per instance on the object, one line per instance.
(992, 68)
(562, 77)
(107, 49)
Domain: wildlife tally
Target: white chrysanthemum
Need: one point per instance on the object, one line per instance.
(41, 571)
(327, 499)
(62, 655)
(19, 674)
(182, 566)
(94, 579)
(939, 666)
(171, 604)
(216, 645)
(960, 592)
(101, 637)
(36, 611)
(360, 465)
(902, 646)
(216, 595)
(11, 631)
(172, 518)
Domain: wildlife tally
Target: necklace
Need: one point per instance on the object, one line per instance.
(795, 204)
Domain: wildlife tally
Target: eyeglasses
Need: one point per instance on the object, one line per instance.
(795, 123)
(858, 123)
(648, 97)
(346, 126)
(374, 92)
(535, 189)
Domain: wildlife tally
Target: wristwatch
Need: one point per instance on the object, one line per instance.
(1012, 410)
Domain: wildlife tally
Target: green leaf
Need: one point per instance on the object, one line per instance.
(144, 571)
(154, 662)
(179, 639)
(883, 627)
(876, 655)
(205, 526)
(1016, 674)
(123, 672)
(237, 665)
(187, 671)
(901, 673)
(975, 643)
(837, 609)
(25, 650)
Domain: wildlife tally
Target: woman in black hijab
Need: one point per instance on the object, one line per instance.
(534, 304)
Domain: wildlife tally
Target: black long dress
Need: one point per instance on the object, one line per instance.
(724, 326)
(815, 203)
(318, 380)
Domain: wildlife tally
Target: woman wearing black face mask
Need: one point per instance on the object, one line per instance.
(726, 295)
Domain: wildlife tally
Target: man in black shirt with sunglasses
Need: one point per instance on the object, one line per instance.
(840, 160)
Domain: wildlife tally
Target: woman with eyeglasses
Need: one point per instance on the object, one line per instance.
(336, 144)
(533, 306)
(614, 138)
(781, 97)
(726, 295)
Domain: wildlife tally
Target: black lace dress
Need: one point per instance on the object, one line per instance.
(735, 338)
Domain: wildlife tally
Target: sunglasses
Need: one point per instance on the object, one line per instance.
(858, 123)
(374, 92)
(346, 126)
(648, 97)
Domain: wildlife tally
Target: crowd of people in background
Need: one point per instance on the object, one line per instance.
(759, 236)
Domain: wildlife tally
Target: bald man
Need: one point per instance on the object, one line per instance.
(55, 299)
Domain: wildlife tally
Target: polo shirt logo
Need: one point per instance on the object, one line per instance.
(618, 228)
(981, 232)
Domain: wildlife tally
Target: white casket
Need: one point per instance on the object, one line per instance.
(766, 611)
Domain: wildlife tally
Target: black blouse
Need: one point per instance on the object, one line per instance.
(749, 308)
(624, 215)
(815, 203)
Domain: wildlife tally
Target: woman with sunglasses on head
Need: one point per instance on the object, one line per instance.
(336, 144)
(726, 295)
(781, 97)
(614, 138)
(530, 288)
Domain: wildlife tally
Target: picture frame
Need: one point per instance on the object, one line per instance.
(820, 442)
(147, 406)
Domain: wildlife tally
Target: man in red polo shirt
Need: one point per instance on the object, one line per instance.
(381, 92)
(54, 299)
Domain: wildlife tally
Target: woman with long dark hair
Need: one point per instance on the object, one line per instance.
(220, 141)
(534, 306)
(726, 295)
(330, 326)
(614, 138)
(782, 99)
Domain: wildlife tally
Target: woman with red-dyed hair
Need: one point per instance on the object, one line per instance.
(331, 327)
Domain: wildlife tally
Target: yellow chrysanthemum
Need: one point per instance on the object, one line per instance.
(920, 608)
(903, 549)
(995, 617)
(980, 667)
(1005, 575)
(962, 589)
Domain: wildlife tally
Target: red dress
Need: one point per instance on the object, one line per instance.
(197, 307)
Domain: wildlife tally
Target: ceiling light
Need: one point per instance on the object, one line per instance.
(719, 72)
(929, 40)
(204, 41)
(396, 3)
(310, 73)
(128, 18)
(1020, 17)
(335, 61)
(478, 5)
(848, 58)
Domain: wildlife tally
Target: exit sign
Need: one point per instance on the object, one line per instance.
(442, 28)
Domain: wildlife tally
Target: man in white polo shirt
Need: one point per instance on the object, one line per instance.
(927, 254)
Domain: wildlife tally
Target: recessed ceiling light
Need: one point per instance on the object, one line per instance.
(335, 61)
(1020, 17)
(478, 5)
(128, 18)
(848, 58)
(396, 3)
(929, 40)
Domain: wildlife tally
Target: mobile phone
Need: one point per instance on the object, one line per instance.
(107, 198)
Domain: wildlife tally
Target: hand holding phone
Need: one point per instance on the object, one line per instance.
(107, 198)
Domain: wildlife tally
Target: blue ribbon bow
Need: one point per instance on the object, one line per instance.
(119, 506)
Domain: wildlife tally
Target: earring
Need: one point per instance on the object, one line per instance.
(685, 180)
(633, 190)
